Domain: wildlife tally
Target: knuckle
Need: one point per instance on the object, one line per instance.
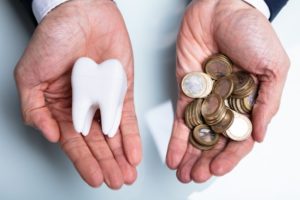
(275, 109)
(118, 152)
(75, 143)
(27, 119)
(16, 72)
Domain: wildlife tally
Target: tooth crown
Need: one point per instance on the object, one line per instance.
(98, 86)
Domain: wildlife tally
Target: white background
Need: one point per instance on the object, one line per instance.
(31, 168)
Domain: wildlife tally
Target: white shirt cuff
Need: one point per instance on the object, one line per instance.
(261, 6)
(41, 8)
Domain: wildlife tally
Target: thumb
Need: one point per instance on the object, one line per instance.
(266, 106)
(34, 110)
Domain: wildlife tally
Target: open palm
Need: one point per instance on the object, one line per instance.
(95, 29)
(246, 37)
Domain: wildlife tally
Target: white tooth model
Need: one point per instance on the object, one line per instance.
(97, 86)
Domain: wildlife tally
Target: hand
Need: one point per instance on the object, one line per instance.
(245, 35)
(92, 28)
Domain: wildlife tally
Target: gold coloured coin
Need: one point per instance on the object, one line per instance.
(197, 145)
(205, 136)
(243, 84)
(249, 101)
(212, 105)
(195, 116)
(187, 117)
(240, 107)
(217, 119)
(224, 87)
(226, 102)
(197, 111)
(225, 123)
(218, 66)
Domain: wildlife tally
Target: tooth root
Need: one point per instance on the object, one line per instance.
(82, 114)
(110, 119)
(114, 128)
(88, 120)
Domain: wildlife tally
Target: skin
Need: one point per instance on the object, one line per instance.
(241, 32)
(93, 28)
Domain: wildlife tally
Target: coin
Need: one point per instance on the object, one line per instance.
(205, 136)
(217, 119)
(240, 107)
(213, 109)
(211, 105)
(197, 111)
(195, 85)
(234, 104)
(226, 102)
(187, 117)
(193, 115)
(249, 101)
(225, 123)
(243, 84)
(222, 102)
(209, 86)
(229, 101)
(218, 66)
(224, 87)
(240, 129)
(197, 145)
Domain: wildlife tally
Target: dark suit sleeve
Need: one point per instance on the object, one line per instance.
(28, 5)
(275, 6)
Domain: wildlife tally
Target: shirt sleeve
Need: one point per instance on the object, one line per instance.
(41, 8)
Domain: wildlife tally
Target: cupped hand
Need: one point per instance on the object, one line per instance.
(92, 28)
(241, 32)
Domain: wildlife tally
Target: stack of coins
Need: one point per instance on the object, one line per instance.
(193, 115)
(223, 100)
(213, 109)
(244, 93)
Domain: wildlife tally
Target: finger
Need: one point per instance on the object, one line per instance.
(78, 152)
(180, 133)
(128, 171)
(95, 140)
(43, 120)
(184, 170)
(230, 157)
(201, 170)
(35, 112)
(266, 106)
(130, 132)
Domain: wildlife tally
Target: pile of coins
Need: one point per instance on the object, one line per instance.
(244, 93)
(223, 101)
